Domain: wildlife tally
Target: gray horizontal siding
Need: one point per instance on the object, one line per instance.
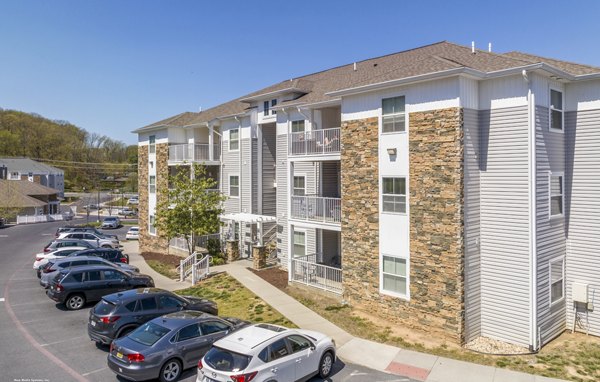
(583, 205)
(231, 165)
(269, 160)
(472, 225)
(551, 237)
(246, 170)
(504, 228)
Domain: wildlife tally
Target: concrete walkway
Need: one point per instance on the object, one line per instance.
(407, 363)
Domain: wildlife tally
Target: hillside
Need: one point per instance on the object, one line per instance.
(89, 159)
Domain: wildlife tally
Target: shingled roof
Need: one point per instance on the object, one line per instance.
(424, 60)
(19, 193)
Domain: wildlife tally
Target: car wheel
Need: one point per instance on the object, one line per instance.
(325, 365)
(106, 246)
(75, 302)
(170, 371)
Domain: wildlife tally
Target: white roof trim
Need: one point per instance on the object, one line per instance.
(248, 218)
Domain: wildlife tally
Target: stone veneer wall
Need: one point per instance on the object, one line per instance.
(150, 243)
(436, 222)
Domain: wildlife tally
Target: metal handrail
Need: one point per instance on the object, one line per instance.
(190, 152)
(315, 208)
(317, 275)
(315, 142)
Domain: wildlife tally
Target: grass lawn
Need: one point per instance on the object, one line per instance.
(234, 300)
(163, 269)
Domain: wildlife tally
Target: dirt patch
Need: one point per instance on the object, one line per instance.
(170, 260)
(274, 276)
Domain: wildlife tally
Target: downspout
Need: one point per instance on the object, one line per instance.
(533, 329)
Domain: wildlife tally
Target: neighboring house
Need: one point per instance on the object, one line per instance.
(443, 188)
(28, 198)
(40, 173)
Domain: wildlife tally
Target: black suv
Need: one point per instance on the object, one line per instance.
(119, 313)
(76, 286)
(76, 228)
(110, 254)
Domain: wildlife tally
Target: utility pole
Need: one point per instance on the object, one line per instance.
(98, 205)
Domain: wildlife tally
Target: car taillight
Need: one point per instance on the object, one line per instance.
(46, 249)
(59, 288)
(112, 346)
(108, 320)
(244, 377)
(39, 258)
(47, 270)
(200, 365)
(137, 357)
(123, 260)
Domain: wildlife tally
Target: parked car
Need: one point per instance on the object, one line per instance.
(62, 243)
(133, 200)
(90, 207)
(82, 229)
(167, 345)
(92, 238)
(2, 222)
(109, 254)
(127, 212)
(119, 313)
(133, 233)
(41, 259)
(76, 286)
(52, 267)
(111, 222)
(266, 352)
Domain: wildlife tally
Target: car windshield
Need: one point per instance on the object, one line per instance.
(104, 307)
(148, 333)
(225, 360)
(110, 219)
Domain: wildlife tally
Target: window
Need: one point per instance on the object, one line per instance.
(299, 243)
(299, 185)
(151, 227)
(266, 108)
(93, 276)
(152, 184)
(234, 186)
(278, 349)
(394, 275)
(298, 343)
(14, 175)
(556, 110)
(131, 306)
(556, 195)
(557, 274)
(113, 275)
(188, 332)
(152, 144)
(267, 105)
(393, 115)
(297, 126)
(394, 195)
(273, 104)
(148, 303)
(169, 302)
(211, 327)
(234, 139)
(236, 231)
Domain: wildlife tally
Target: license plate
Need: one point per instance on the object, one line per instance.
(119, 355)
(93, 323)
(206, 379)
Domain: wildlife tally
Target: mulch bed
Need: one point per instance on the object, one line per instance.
(274, 276)
(171, 260)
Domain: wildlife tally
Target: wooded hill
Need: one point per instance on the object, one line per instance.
(89, 160)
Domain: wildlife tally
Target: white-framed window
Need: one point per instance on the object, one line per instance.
(152, 184)
(234, 139)
(299, 185)
(556, 279)
(299, 243)
(557, 118)
(394, 275)
(273, 104)
(298, 126)
(151, 227)
(393, 116)
(14, 176)
(266, 108)
(556, 192)
(234, 186)
(152, 144)
(393, 194)
(267, 105)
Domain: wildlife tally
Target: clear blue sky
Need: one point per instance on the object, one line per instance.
(112, 66)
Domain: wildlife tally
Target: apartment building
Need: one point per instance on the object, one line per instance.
(444, 188)
(36, 172)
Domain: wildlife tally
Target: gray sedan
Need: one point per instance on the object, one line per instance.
(167, 345)
(52, 268)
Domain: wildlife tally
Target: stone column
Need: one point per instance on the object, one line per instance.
(259, 256)
(232, 249)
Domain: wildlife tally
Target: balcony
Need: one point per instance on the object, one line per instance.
(306, 270)
(190, 152)
(317, 209)
(314, 142)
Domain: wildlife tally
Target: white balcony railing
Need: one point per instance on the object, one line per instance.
(306, 271)
(314, 142)
(189, 152)
(317, 209)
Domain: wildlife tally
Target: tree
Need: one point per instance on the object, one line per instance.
(191, 209)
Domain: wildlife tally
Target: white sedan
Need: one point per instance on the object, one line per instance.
(42, 258)
(133, 233)
(265, 352)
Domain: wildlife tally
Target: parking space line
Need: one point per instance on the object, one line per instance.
(61, 341)
(94, 371)
(2, 299)
(3, 235)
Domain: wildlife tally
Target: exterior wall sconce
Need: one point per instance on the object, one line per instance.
(391, 151)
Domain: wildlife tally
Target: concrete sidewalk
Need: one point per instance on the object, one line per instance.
(407, 363)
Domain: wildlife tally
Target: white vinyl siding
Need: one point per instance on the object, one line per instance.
(556, 110)
(394, 275)
(557, 280)
(394, 195)
(556, 194)
(234, 186)
(234, 140)
(152, 184)
(393, 115)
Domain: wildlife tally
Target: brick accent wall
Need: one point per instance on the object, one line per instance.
(150, 243)
(436, 223)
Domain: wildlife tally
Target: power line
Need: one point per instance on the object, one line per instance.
(84, 163)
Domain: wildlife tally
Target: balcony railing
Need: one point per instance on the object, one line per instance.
(306, 270)
(317, 209)
(315, 142)
(190, 152)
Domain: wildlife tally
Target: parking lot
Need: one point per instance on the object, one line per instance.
(41, 340)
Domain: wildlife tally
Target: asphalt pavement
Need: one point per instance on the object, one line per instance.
(41, 341)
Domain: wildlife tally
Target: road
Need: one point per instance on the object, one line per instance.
(40, 340)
